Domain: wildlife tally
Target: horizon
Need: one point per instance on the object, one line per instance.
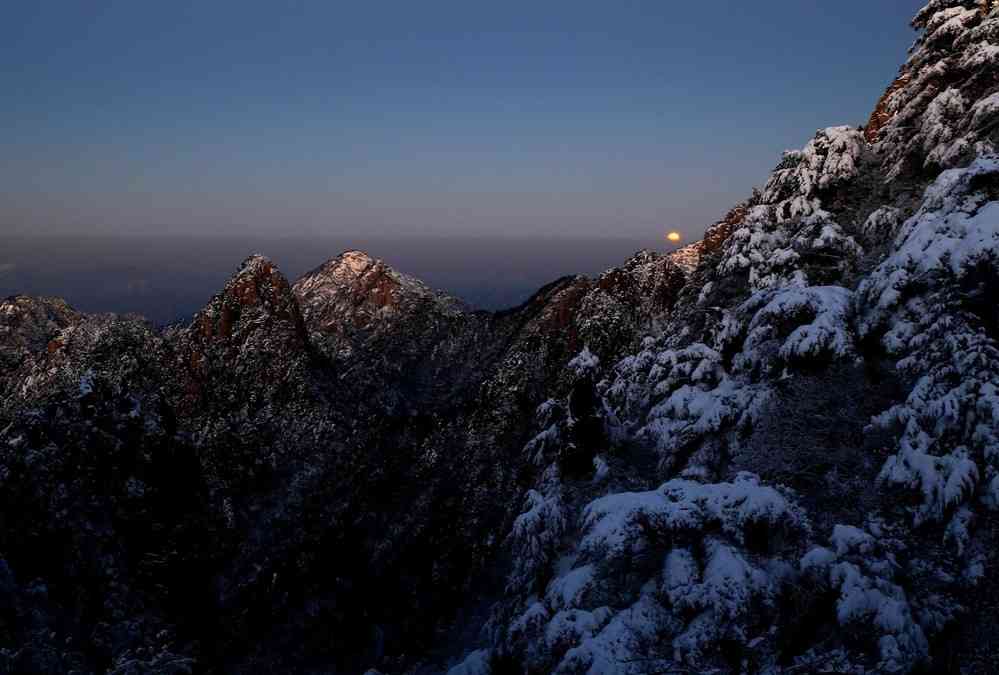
(168, 278)
(571, 119)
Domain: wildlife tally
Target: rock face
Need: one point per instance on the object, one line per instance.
(29, 327)
(774, 450)
(356, 298)
(248, 343)
(29, 324)
(388, 335)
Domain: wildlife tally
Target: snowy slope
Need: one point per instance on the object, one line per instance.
(830, 283)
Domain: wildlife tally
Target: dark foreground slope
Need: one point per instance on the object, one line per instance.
(776, 450)
(822, 408)
(306, 476)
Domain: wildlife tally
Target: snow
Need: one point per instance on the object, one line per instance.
(688, 257)
(789, 217)
(356, 261)
(680, 573)
(883, 223)
(537, 531)
(584, 363)
(991, 495)
(87, 382)
(667, 575)
(830, 235)
(985, 110)
(535, 615)
(728, 583)
(846, 538)
(953, 227)
(252, 264)
(653, 375)
(764, 253)
(833, 155)
(627, 634)
(362, 297)
(949, 22)
(476, 663)
(947, 425)
(615, 524)
(868, 597)
(692, 411)
(572, 626)
(729, 588)
(819, 319)
(958, 531)
(975, 571)
(539, 447)
(943, 481)
(673, 397)
(940, 128)
(983, 54)
(601, 470)
(705, 589)
(568, 590)
(829, 159)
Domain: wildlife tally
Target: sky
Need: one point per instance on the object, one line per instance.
(435, 118)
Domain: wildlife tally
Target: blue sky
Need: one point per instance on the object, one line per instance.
(442, 118)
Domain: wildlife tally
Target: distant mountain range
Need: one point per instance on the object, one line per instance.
(775, 450)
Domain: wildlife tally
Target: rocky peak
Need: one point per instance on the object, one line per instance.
(687, 257)
(252, 331)
(28, 325)
(256, 293)
(651, 281)
(359, 290)
(355, 303)
(30, 329)
(942, 109)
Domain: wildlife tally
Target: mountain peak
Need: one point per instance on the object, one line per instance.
(350, 265)
(29, 325)
(258, 281)
(255, 265)
(937, 114)
(256, 291)
(357, 287)
(249, 337)
(356, 260)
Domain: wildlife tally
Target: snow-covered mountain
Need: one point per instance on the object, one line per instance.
(775, 450)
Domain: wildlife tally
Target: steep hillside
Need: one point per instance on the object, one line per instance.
(822, 409)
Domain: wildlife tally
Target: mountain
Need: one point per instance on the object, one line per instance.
(29, 326)
(775, 450)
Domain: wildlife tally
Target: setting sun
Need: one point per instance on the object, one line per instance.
(674, 237)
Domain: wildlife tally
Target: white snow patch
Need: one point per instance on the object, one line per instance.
(585, 362)
(476, 663)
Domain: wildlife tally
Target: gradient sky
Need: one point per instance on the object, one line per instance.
(511, 118)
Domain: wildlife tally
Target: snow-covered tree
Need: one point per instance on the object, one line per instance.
(661, 577)
(926, 303)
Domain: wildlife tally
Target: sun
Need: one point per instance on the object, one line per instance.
(674, 237)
